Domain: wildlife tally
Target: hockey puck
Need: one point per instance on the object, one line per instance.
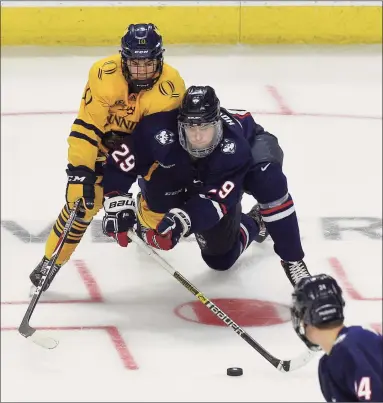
(234, 371)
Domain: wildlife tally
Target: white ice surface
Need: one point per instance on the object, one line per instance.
(333, 158)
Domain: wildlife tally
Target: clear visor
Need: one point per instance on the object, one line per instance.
(200, 140)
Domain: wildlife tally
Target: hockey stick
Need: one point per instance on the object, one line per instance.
(281, 365)
(25, 329)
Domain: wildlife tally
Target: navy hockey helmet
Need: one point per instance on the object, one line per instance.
(200, 112)
(142, 43)
(317, 301)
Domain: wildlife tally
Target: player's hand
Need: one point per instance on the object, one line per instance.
(175, 223)
(120, 217)
(81, 183)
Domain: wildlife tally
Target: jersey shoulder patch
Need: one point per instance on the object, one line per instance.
(166, 93)
(105, 67)
(228, 146)
(165, 137)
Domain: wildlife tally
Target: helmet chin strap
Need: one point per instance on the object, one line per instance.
(140, 85)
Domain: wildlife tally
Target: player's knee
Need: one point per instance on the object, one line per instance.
(219, 262)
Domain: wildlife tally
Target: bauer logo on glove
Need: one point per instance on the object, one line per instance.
(121, 202)
(120, 217)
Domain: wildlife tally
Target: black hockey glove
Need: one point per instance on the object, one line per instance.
(120, 216)
(81, 182)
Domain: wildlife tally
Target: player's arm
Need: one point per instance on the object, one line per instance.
(216, 198)
(251, 129)
(204, 210)
(120, 170)
(84, 144)
(122, 167)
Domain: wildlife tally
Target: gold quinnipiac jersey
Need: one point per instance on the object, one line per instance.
(107, 106)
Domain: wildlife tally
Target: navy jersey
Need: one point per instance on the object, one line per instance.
(206, 188)
(353, 371)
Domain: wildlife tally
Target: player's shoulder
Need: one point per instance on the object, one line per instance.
(154, 136)
(352, 344)
(159, 119)
(233, 137)
(166, 94)
(356, 335)
(233, 144)
(171, 75)
(159, 126)
(232, 153)
(352, 341)
(240, 117)
(157, 135)
(105, 76)
(106, 66)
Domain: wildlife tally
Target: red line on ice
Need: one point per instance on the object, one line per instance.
(255, 113)
(284, 108)
(347, 285)
(120, 345)
(53, 301)
(118, 341)
(89, 281)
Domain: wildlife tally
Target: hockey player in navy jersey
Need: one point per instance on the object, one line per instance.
(193, 166)
(352, 368)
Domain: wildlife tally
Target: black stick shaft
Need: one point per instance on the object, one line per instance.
(209, 304)
(25, 329)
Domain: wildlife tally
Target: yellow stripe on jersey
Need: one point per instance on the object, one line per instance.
(151, 170)
(84, 141)
(94, 130)
(81, 153)
(146, 217)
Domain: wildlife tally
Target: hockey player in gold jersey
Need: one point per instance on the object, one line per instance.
(121, 89)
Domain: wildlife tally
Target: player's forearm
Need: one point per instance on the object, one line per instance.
(83, 145)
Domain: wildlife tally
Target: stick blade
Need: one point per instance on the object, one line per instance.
(44, 341)
(297, 362)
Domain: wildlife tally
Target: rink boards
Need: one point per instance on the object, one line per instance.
(193, 22)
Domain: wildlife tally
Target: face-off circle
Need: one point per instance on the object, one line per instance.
(245, 312)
